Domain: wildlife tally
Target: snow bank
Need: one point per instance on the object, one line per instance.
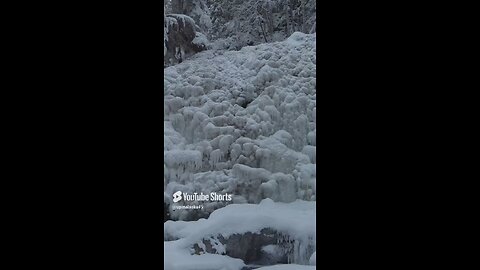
(296, 218)
(176, 258)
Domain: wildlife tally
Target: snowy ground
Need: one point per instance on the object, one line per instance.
(242, 123)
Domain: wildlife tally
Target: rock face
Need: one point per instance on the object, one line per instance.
(180, 32)
(265, 248)
(249, 247)
(166, 213)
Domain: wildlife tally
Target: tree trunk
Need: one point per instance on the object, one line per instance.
(263, 31)
(303, 15)
(287, 19)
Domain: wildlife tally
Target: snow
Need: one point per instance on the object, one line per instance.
(200, 39)
(202, 13)
(177, 258)
(296, 218)
(183, 18)
(313, 259)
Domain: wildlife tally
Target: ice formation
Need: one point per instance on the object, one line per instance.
(242, 122)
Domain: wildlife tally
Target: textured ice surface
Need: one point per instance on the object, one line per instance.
(242, 122)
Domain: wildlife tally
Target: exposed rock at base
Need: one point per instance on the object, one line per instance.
(265, 248)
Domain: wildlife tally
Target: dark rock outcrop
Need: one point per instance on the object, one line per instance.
(250, 247)
(179, 41)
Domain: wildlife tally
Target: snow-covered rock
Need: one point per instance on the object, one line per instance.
(178, 258)
(180, 38)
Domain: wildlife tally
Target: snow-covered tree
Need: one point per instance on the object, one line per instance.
(197, 9)
(249, 22)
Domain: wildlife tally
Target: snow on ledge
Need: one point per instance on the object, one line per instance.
(296, 219)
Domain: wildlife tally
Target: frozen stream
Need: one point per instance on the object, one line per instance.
(242, 123)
